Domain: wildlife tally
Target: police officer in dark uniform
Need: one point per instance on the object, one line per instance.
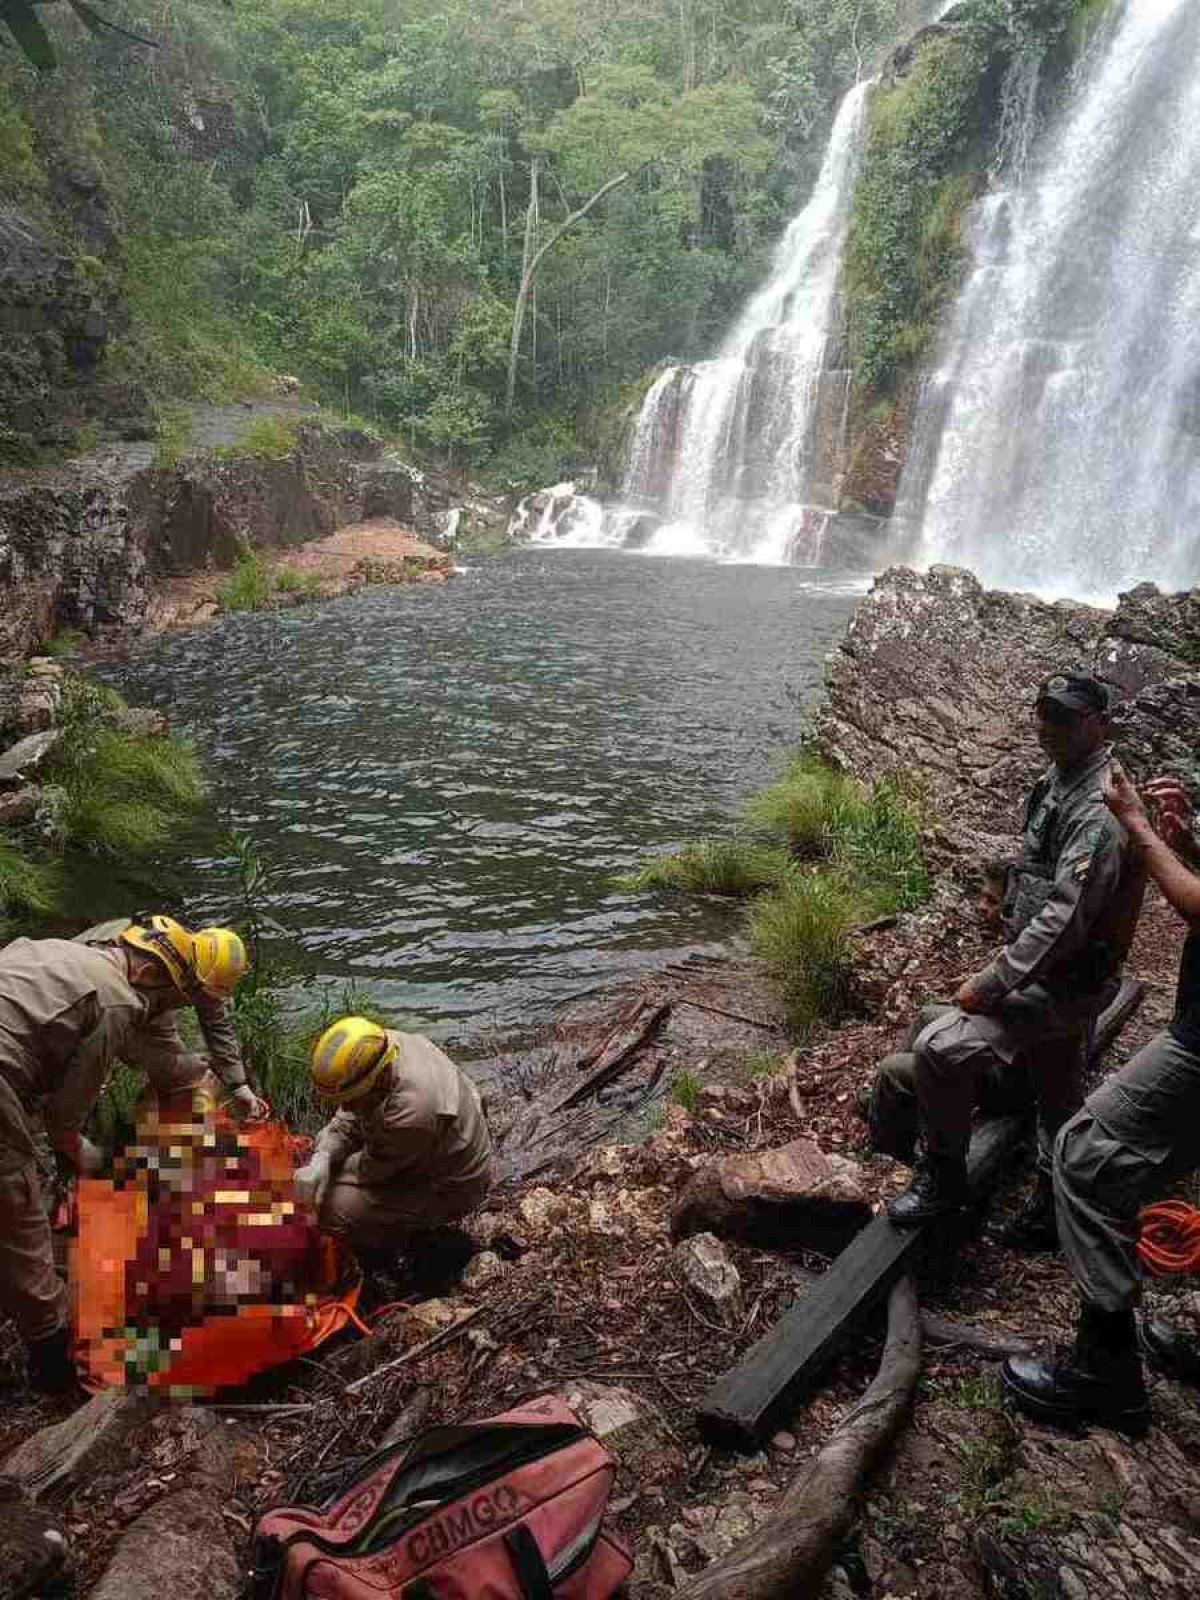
(1070, 910)
(1135, 1135)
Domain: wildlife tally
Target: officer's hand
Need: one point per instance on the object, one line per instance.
(968, 998)
(312, 1180)
(1121, 798)
(246, 1105)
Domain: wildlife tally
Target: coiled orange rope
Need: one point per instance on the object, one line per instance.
(1170, 1239)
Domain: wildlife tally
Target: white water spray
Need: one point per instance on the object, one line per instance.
(1058, 446)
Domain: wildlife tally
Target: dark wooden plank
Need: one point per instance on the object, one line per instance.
(742, 1405)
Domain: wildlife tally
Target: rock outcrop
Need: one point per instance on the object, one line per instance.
(936, 678)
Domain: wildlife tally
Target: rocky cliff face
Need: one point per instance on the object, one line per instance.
(82, 547)
(936, 679)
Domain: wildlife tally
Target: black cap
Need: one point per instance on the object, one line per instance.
(1075, 691)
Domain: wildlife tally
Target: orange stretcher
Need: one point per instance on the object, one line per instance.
(219, 1351)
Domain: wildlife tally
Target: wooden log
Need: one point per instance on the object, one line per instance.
(60, 1456)
(742, 1405)
(615, 1054)
(789, 1558)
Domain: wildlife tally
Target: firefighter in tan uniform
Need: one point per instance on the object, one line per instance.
(409, 1147)
(68, 1013)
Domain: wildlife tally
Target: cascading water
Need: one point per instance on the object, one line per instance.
(731, 452)
(1058, 446)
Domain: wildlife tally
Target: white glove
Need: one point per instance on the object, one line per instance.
(311, 1181)
(246, 1105)
(91, 1159)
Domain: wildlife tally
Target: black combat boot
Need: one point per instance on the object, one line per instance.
(1034, 1228)
(938, 1189)
(48, 1364)
(1170, 1349)
(1098, 1380)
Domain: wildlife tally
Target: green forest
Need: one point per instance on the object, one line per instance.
(347, 191)
(356, 193)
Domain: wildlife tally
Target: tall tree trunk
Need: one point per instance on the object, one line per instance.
(530, 264)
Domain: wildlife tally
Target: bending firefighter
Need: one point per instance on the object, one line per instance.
(1134, 1137)
(69, 1012)
(409, 1148)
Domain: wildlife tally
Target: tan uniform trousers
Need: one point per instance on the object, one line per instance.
(31, 1292)
(382, 1216)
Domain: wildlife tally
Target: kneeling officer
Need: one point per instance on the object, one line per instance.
(69, 1012)
(409, 1148)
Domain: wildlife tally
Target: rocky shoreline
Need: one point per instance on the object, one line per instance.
(119, 543)
(589, 1280)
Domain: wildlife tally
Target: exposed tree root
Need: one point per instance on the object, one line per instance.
(789, 1558)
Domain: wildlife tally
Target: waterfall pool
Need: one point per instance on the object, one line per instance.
(442, 783)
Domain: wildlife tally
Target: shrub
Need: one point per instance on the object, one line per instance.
(28, 887)
(119, 793)
(271, 437)
(805, 806)
(172, 434)
(686, 1089)
(290, 580)
(800, 928)
(715, 866)
(249, 587)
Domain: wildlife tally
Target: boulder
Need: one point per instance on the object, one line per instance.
(33, 1547)
(631, 1427)
(141, 722)
(19, 805)
(938, 675)
(710, 1277)
(794, 1195)
(387, 489)
(181, 1548)
(26, 756)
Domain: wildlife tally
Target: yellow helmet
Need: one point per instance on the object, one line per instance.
(348, 1058)
(170, 943)
(220, 961)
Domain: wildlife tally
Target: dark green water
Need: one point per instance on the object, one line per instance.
(442, 782)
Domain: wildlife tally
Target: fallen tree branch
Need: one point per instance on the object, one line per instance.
(614, 1056)
(418, 1351)
(723, 1011)
(789, 1558)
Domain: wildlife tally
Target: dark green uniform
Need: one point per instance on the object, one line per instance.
(1069, 913)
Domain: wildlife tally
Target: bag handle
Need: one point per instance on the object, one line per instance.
(527, 1563)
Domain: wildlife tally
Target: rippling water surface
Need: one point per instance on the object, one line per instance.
(442, 782)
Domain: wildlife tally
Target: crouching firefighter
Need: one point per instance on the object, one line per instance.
(69, 1012)
(1070, 912)
(408, 1150)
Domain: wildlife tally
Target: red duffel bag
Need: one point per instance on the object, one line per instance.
(509, 1508)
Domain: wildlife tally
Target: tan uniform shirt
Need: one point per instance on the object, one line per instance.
(429, 1128)
(216, 1021)
(68, 1014)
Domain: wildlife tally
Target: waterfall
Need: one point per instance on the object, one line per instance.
(1058, 445)
(732, 453)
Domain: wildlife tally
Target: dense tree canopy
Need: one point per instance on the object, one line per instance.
(349, 189)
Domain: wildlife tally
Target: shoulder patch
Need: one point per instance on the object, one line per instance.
(1081, 868)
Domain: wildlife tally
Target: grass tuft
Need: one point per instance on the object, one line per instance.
(686, 1089)
(249, 587)
(731, 867)
(801, 929)
(806, 806)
